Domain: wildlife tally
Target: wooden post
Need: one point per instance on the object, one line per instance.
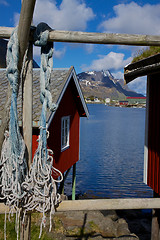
(61, 188)
(155, 231)
(27, 126)
(25, 20)
(74, 182)
(23, 37)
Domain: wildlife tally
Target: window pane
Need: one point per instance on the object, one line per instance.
(65, 132)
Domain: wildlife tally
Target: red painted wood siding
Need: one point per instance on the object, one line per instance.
(153, 176)
(67, 107)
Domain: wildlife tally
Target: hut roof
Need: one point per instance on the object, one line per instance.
(141, 68)
(60, 79)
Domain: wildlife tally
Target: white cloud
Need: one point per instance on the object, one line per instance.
(89, 48)
(135, 19)
(69, 15)
(56, 53)
(139, 85)
(111, 61)
(16, 18)
(118, 75)
(59, 53)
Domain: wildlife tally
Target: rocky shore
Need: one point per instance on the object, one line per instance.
(124, 225)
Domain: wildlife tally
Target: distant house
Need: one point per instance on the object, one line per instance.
(64, 123)
(150, 67)
(123, 103)
(136, 100)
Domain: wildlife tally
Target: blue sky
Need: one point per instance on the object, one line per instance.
(124, 16)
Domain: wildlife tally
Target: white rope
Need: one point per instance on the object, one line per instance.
(36, 189)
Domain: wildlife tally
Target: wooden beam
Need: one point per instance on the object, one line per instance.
(5, 32)
(103, 204)
(142, 67)
(96, 38)
(109, 204)
(104, 38)
(139, 72)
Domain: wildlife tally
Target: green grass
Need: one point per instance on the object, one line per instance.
(35, 228)
(146, 53)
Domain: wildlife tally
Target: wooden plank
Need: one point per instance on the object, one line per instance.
(109, 204)
(5, 32)
(139, 72)
(96, 38)
(103, 204)
(142, 68)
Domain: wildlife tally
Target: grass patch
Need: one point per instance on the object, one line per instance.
(35, 228)
(151, 51)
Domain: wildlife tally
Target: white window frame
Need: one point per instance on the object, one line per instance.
(65, 130)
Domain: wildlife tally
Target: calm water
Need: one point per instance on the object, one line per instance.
(111, 156)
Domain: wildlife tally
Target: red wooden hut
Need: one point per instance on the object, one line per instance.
(150, 67)
(64, 123)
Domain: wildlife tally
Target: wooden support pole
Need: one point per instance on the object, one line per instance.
(95, 38)
(23, 37)
(74, 182)
(155, 231)
(27, 77)
(61, 188)
(25, 20)
(24, 25)
(155, 224)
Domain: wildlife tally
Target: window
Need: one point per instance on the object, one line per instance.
(65, 125)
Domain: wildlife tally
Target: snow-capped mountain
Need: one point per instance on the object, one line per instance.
(102, 84)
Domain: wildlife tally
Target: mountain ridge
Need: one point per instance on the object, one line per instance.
(102, 84)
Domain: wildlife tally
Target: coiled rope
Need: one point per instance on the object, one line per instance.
(13, 162)
(40, 184)
(34, 189)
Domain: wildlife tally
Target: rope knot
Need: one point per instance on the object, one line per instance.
(41, 39)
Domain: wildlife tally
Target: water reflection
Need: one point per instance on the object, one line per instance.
(112, 149)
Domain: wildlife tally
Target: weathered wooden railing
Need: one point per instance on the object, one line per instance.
(95, 38)
(102, 204)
